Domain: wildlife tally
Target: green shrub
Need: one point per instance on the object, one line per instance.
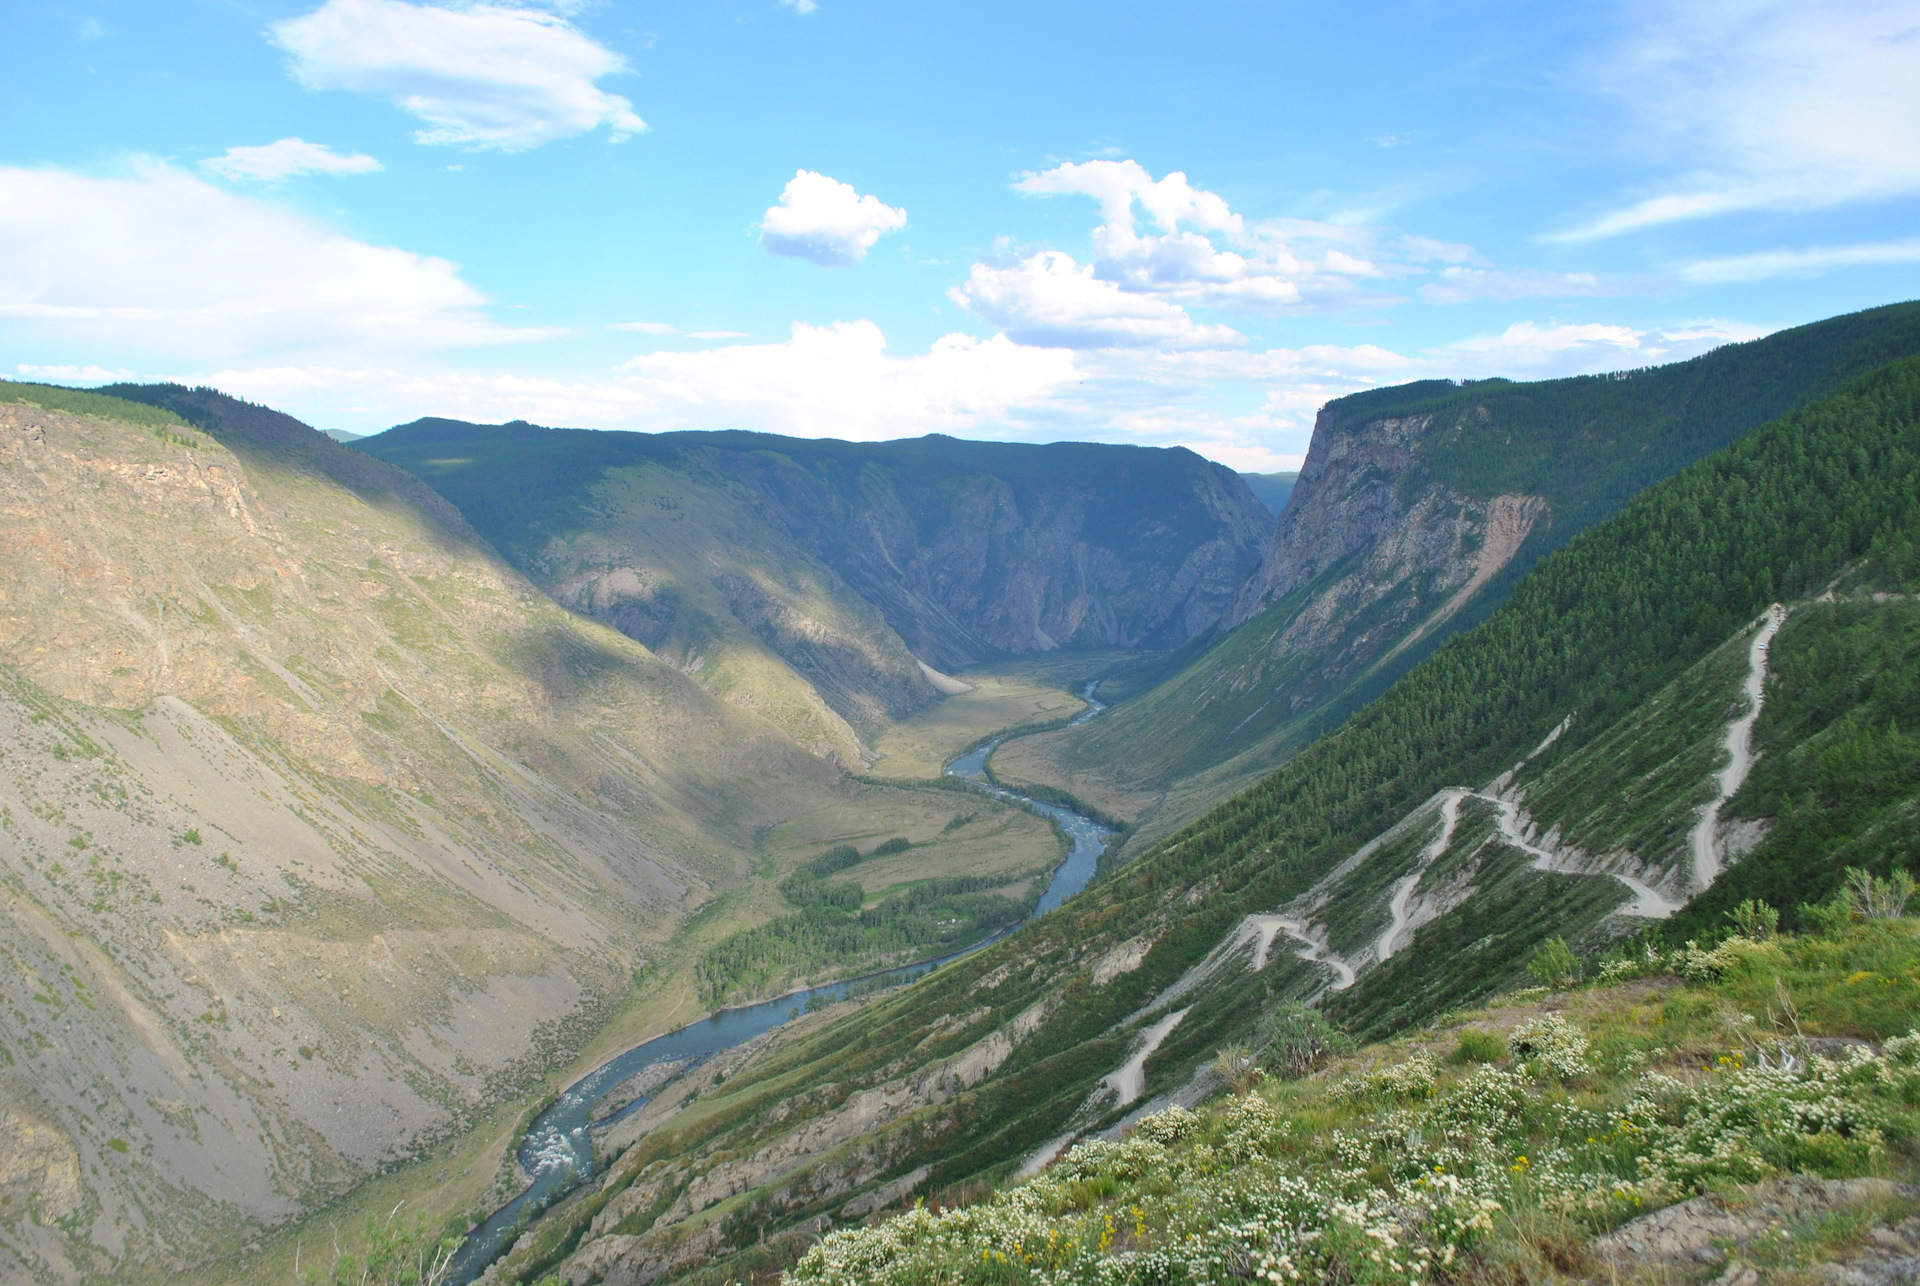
(1554, 965)
(1299, 1039)
(1477, 1046)
(1873, 898)
(888, 847)
(1756, 920)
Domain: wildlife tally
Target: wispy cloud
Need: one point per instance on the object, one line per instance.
(1766, 104)
(1789, 263)
(1458, 284)
(163, 262)
(74, 374)
(1530, 350)
(825, 221)
(668, 328)
(479, 75)
(271, 162)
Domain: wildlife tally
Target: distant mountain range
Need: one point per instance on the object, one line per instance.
(810, 579)
(1271, 489)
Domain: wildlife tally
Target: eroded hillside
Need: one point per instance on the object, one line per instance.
(320, 826)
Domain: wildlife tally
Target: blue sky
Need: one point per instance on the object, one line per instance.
(1125, 222)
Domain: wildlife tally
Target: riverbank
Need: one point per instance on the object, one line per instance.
(557, 1150)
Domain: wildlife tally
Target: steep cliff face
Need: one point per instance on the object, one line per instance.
(1373, 554)
(974, 550)
(1373, 543)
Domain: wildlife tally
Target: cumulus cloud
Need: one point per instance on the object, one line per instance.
(480, 75)
(164, 263)
(1248, 409)
(826, 222)
(1788, 263)
(286, 158)
(1768, 104)
(1196, 250)
(801, 7)
(1047, 299)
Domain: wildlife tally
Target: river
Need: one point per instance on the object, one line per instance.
(558, 1149)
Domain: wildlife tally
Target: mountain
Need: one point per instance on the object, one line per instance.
(1577, 766)
(1271, 489)
(322, 830)
(1417, 511)
(969, 551)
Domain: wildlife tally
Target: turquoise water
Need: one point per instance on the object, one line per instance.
(558, 1150)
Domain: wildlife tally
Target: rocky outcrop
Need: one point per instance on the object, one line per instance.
(1370, 538)
(1023, 549)
(1683, 1238)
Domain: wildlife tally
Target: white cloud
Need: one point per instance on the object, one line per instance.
(1528, 350)
(272, 162)
(481, 75)
(1785, 263)
(825, 381)
(1047, 299)
(74, 374)
(668, 328)
(802, 7)
(1460, 285)
(165, 263)
(1205, 254)
(825, 221)
(1250, 410)
(839, 381)
(1768, 104)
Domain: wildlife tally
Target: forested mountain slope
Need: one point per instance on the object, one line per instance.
(968, 550)
(1586, 735)
(321, 828)
(1416, 512)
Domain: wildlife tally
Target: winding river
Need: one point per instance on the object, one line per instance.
(558, 1149)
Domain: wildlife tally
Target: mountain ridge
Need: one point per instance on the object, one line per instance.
(1418, 509)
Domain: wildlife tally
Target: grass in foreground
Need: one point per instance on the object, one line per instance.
(1483, 1150)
